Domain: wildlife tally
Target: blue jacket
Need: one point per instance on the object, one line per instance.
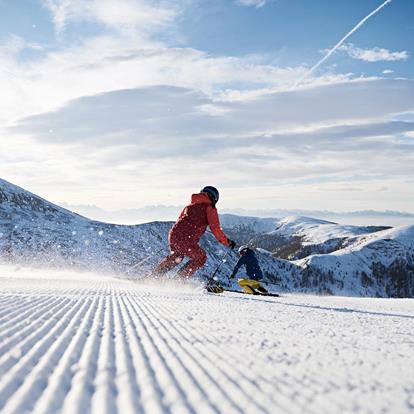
(249, 260)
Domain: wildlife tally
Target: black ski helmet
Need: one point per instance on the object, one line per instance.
(212, 193)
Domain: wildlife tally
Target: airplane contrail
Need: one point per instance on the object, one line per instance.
(355, 28)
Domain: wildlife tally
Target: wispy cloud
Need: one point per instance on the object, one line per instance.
(165, 113)
(164, 135)
(13, 45)
(141, 15)
(331, 51)
(106, 63)
(127, 55)
(252, 3)
(375, 54)
(125, 139)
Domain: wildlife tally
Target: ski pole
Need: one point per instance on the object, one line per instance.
(219, 266)
(142, 261)
(137, 264)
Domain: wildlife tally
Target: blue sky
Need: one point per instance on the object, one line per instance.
(294, 32)
(288, 32)
(124, 103)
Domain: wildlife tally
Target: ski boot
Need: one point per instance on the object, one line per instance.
(213, 286)
(214, 289)
(261, 289)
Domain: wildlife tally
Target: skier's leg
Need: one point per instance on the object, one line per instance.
(172, 260)
(245, 286)
(251, 286)
(248, 285)
(249, 282)
(197, 257)
(256, 285)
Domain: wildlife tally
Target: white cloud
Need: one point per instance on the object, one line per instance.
(234, 121)
(252, 3)
(387, 72)
(375, 54)
(149, 142)
(14, 44)
(190, 117)
(141, 15)
(106, 63)
(129, 56)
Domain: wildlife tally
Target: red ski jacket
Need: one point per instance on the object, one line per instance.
(193, 222)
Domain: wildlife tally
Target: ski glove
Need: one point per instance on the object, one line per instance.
(232, 244)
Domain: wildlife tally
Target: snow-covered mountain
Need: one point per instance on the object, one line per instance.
(245, 228)
(34, 230)
(296, 237)
(382, 263)
(37, 232)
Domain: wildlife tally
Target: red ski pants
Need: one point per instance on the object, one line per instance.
(196, 254)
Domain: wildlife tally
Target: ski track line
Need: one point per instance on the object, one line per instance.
(176, 336)
(32, 387)
(201, 374)
(184, 372)
(237, 377)
(176, 364)
(33, 349)
(151, 394)
(78, 398)
(19, 312)
(102, 345)
(209, 353)
(103, 399)
(10, 311)
(22, 342)
(61, 379)
(126, 383)
(314, 389)
(174, 395)
(17, 308)
(22, 322)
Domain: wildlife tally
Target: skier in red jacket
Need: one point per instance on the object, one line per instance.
(187, 231)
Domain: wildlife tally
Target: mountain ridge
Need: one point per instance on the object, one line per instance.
(35, 232)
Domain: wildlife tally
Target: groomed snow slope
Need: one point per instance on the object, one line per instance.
(79, 343)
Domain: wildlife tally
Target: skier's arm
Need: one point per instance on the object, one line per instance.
(240, 263)
(214, 223)
(182, 214)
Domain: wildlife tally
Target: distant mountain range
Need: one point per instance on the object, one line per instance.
(165, 212)
(297, 253)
